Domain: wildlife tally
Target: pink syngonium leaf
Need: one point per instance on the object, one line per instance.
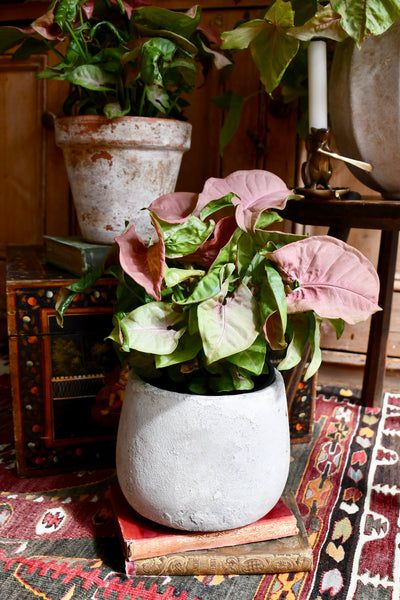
(175, 207)
(46, 26)
(144, 265)
(335, 280)
(256, 191)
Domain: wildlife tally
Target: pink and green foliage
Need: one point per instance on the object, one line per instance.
(218, 291)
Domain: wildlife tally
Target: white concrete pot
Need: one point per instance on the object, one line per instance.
(117, 167)
(203, 463)
(364, 105)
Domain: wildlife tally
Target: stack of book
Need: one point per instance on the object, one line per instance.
(277, 543)
(73, 253)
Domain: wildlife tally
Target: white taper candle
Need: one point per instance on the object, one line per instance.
(317, 85)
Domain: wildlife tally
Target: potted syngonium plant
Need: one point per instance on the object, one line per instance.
(130, 69)
(203, 440)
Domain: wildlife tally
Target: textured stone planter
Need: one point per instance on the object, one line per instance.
(203, 463)
(118, 166)
(365, 108)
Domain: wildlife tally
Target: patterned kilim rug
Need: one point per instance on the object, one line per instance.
(57, 538)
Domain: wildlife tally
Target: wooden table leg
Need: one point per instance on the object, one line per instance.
(375, 366)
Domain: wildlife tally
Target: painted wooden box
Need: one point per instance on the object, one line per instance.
(62, 378)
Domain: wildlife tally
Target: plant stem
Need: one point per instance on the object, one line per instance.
(142, 99)
(82, 50)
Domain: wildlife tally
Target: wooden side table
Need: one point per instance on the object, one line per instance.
(367, 213)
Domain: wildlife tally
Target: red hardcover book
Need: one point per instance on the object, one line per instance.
(142, 538)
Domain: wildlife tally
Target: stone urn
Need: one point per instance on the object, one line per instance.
(364, 106)
(117, 167)
(203, 463)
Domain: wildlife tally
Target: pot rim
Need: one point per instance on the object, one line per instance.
(104, 119)
(265, 382)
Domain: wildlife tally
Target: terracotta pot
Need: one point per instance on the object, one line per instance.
(203, 463)
(118, 167)
(365, 108)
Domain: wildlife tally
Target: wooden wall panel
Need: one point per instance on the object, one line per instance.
(22, 163)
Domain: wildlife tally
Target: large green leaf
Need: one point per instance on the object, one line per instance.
(114, 109)
(216, 205)
(10, 37)
(273, 49)
(158, 97)
(211, 284)
(243, 35)
(184, 24)
(30, 46)
(184, 238)
(153, 51)
(189, 346)
(299, 328)
(315, 340)
(65, 11)
(151, 328)
(173, 276)
(228, 325)
(361, 18)
(252, 359)
(277, 291)
(326, 23)
(92, 77)
(229, 378)
(233, 103)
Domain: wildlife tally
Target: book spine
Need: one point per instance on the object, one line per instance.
(148, 548)
(182, 564)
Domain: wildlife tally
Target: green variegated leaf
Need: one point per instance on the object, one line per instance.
(187, 349)
(299, 326)
(113, 109)
(216, 205)
(267, 218)
(158, 97)
(10, 37)
(233, 103)
(174, 276)
(326, 23)
(339, 325)
(228, 325)
(361, 18)
(253, 358)
(184, 238)
(243, 35)
(275, 291)
(184, 24)
(153, 328)
(315, 341)
(65, 11)
(211, 284)
(91, 77)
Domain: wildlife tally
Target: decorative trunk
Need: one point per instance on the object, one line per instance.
(203, 463)
(117, 167)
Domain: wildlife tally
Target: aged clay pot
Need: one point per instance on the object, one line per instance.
(117, 167)
(203, 463)
(364, 106)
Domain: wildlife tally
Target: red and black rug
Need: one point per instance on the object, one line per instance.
(58, 542)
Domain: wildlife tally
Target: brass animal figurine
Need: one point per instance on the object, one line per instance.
(317, 170)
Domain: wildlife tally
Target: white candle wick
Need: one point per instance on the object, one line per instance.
(317, 85)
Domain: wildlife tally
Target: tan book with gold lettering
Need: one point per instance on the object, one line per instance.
(286, 554)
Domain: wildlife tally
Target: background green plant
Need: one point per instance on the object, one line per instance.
(278, 38)
(120, 58)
